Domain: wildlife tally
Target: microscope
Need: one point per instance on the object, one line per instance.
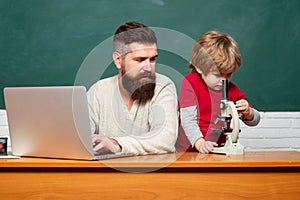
(229, 116)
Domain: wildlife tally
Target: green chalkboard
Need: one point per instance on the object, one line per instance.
(68, 42)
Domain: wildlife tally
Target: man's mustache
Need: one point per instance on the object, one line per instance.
(146, 75)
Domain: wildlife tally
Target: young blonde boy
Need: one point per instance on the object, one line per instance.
(215, 57)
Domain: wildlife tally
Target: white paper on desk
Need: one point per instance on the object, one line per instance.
(9, 156)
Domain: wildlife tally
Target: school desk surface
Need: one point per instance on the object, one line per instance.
(254, 175)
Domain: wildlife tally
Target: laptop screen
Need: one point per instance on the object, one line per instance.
(49, 122)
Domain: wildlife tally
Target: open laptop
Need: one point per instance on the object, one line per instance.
(51, 122)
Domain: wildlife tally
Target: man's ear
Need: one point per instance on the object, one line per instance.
(117, 59)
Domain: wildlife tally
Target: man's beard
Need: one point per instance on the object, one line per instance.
(139, 90)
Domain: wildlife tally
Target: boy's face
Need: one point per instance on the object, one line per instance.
(214, 79)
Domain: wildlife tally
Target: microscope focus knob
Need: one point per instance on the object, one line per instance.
(222, 105)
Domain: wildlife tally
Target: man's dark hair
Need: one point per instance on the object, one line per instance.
(132, 32)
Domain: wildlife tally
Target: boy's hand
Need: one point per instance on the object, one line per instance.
(204, 146)
(243, 107)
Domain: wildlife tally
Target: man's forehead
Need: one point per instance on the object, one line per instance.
(139, 46)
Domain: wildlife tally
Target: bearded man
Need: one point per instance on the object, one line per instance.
(136, 110)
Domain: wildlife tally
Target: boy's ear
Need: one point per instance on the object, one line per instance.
(117, 59)
(199, 70)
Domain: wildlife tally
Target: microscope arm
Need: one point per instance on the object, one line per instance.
(232, 111)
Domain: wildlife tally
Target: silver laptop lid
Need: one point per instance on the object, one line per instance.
(49, 122)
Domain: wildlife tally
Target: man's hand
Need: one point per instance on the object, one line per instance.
(103, 144)
(243, 107)
(204, 146)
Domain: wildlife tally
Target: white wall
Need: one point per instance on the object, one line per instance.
(277, 131)
(4, 127)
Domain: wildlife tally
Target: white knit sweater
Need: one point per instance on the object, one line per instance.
(149, 128)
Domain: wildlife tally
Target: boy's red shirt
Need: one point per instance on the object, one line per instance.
(194, 92)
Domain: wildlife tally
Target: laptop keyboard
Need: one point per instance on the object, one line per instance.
(99, 156)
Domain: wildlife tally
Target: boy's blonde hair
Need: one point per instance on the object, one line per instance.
(215, 51)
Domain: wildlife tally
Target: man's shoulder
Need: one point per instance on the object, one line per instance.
(106, 82)
(104, 85)
(163, 80)
(164, 85)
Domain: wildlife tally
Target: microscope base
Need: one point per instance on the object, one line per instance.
(230, 149)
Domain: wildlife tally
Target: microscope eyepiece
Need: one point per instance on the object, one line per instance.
(225, 90)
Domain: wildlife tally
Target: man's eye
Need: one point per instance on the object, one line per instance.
(153, 59)
(139, 59)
